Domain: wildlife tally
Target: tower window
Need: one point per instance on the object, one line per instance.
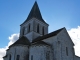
(66, 51)
(29, 28)
(38, 28)
(31, 57)
(23, 30)
(10, 57)
(18, 56)
(43, 30)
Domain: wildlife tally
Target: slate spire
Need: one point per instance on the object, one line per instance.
(35, 13)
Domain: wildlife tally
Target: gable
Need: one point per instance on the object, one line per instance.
(64, 36)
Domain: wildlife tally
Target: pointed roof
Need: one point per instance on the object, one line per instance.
(23, 41)
(35, 12)
(48, 35)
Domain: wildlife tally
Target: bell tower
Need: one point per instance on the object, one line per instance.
(34, 26)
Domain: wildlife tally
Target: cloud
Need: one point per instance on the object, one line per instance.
(2, 52)
(75, 36)
(12, 39)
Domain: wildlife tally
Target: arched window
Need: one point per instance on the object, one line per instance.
(17, 57)
(29, 28)
(38, 28)
(43, 30)
(10, 57)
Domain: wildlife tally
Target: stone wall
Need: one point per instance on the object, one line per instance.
(38, 52)
(67, 51)
(76, 58)
(21, 50)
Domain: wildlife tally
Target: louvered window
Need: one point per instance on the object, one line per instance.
(29, 28)
(38, 28)
(43, 30)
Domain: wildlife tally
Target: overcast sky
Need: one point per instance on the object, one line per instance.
(57, 13)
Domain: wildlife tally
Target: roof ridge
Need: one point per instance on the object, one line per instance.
(39, 42)
(23, 40)
(48, 35)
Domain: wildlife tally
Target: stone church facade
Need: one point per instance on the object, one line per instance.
(35, 43)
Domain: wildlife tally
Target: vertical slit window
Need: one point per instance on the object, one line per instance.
(23, 30)
(43, 30)
(38, 28)
(18, 56)
(10, 57)
(31, 57)
(66, 51)
(29, 28)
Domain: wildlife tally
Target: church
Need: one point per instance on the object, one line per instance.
(35, 43)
